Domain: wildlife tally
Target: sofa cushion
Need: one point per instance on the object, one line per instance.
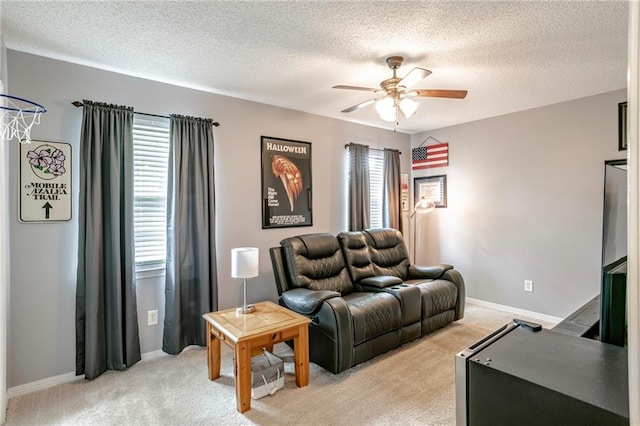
(437, 296)
(356, 254)
(373, 314)
(315, 261)
(388, 253)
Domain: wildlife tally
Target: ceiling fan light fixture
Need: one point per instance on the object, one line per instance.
(386, 108)
(408, 107)
(394, 103)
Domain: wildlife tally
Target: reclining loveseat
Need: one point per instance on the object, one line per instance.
(362, 294)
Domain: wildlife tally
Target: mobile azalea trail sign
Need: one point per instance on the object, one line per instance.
(45, 181)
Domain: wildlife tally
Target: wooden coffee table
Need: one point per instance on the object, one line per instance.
(247, 334)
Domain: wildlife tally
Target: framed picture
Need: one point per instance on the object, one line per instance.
(286, 183)
(432, 188)
(622, 126)
(45, 181)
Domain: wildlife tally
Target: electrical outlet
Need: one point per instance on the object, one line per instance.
(152, 317)
(528, 286)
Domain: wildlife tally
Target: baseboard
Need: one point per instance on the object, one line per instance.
(148, 356)
(66, 378)
(42, 384)
(516, 311)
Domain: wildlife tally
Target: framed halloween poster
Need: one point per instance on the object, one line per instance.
(286, 183)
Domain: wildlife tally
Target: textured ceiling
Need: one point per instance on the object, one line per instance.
(510, 56)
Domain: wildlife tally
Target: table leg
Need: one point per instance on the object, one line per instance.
(243, 376)
(301, 355)
(213, 354)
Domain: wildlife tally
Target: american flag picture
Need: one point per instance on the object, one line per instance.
(425, 157)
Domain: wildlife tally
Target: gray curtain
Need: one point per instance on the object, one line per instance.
(106, 315)
(359, 202)
(391, 189)
(191, 287)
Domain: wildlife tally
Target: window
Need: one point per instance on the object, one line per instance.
(150, 168)
(376, 182)
(376, 178)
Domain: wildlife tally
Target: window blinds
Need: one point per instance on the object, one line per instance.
(150, 167)
(376, 177)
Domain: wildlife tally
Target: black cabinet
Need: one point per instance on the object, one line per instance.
(520, 377)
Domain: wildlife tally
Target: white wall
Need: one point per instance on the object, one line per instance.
(4, 250)
(525, 199)
(43, 256)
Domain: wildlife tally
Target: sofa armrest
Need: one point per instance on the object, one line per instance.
(335, 350)
(331, 328)
(381, 281)
(456, 278)
(305, 301)
(429, 272)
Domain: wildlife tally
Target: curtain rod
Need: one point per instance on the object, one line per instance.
(78, 104)
(375, 149)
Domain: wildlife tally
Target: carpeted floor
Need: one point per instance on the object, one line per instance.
(413, 384)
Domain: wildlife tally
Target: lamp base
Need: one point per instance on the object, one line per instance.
(245, 309)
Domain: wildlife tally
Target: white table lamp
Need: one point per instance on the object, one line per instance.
(244, 264)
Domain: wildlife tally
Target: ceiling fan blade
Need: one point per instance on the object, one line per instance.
(360, 105)
(426, 93)
(414, 76)
(366, 89)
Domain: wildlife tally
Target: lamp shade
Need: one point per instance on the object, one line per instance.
(244, 262)
(386, 108)
(424, 206)
(408, 107)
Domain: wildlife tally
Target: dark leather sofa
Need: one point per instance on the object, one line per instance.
(363, 295)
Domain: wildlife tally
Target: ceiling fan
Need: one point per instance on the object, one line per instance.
(395, 93)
